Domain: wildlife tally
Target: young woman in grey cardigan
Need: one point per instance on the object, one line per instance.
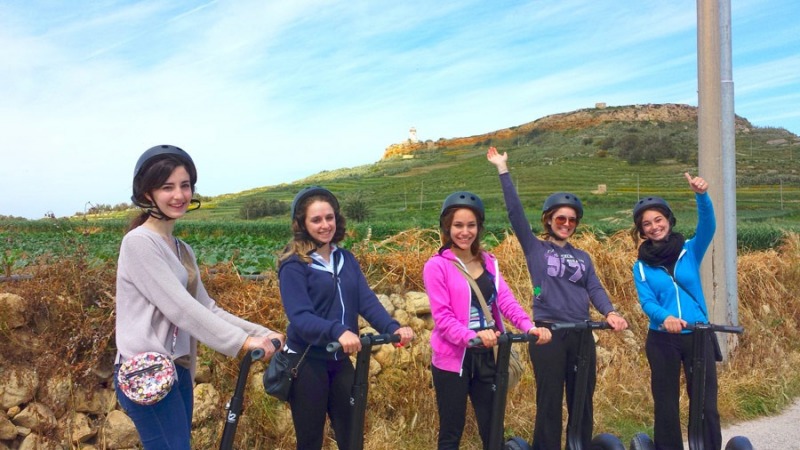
(161, 303)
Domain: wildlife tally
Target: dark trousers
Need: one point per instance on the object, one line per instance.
(321, 388)
(166, 425)
(452, 390)
(665, 353)
(554, 367)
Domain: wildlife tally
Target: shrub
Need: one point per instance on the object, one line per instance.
(257, 208)
(606, 143)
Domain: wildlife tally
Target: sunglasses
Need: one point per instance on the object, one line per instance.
(562, 220)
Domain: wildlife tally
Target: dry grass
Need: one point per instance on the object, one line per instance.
(72, 310)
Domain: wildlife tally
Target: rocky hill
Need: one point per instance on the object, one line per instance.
(575, 120)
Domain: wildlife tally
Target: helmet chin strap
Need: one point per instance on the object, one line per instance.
(155, 212)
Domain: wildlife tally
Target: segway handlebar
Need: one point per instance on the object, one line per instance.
(714, 327)
(258, 353)
(506, 337)
(588, 324)
(367, 339)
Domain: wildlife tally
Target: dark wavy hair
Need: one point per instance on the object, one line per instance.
(152, 177)
(637, 230)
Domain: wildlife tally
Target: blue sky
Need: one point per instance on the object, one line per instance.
(266, 92)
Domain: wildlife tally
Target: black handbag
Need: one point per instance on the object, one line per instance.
(281, 372)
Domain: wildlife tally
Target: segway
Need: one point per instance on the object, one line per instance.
(358, 393)
(602, 441)
(500, 388)
(698, 371)
(236, 403)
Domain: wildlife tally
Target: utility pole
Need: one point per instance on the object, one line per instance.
(717, 159)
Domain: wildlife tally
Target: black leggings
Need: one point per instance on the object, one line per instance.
(322, 388)
(452, 389)
(553, 367)
(665, 353)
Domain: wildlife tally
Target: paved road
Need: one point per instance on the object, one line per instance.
(767, 433)
(781, 432)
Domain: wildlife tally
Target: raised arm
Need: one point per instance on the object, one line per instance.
(706, 221)
(516, 213)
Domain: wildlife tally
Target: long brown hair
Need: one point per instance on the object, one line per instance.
(302, 244)
(447, 223)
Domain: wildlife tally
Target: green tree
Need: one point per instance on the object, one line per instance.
(356, 207)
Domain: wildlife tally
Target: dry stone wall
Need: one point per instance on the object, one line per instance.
(56, 413)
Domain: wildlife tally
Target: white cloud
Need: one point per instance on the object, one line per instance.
(267, 92)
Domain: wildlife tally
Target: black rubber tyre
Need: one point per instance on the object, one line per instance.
(739, 443)
(642, 441)
(517, 443)
(606, 441)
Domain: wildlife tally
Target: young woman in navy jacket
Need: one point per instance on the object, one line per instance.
(323, 291)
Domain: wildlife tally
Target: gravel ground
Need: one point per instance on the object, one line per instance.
(769, 433)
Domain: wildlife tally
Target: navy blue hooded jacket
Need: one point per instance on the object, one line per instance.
(322, 303)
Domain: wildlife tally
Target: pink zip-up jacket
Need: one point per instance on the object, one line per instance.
(450, 296)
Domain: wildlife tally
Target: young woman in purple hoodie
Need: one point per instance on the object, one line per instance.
(564, 285)
(459, 371)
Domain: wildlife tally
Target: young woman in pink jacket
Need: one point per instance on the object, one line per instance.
(459, 371)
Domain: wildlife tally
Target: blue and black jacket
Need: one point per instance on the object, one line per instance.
(662, 295)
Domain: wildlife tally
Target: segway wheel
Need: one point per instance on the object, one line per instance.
(642, 441)
(739, 443)
(516, 443)
(605, 441)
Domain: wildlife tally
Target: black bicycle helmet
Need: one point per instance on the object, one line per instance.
(463, 199)
(313, 190)
(152, 155)
(653, 203)
(563, 199)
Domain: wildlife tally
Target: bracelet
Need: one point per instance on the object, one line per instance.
(614, 313)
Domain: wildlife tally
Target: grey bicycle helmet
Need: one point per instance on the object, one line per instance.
(463, 199)
(563, 199)
(653, 202)
(149, 157)
(313, 190)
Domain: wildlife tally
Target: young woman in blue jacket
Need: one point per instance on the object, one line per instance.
(323, 291)
(667, 277)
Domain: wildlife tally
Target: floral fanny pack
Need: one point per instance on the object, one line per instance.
(147, 377)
